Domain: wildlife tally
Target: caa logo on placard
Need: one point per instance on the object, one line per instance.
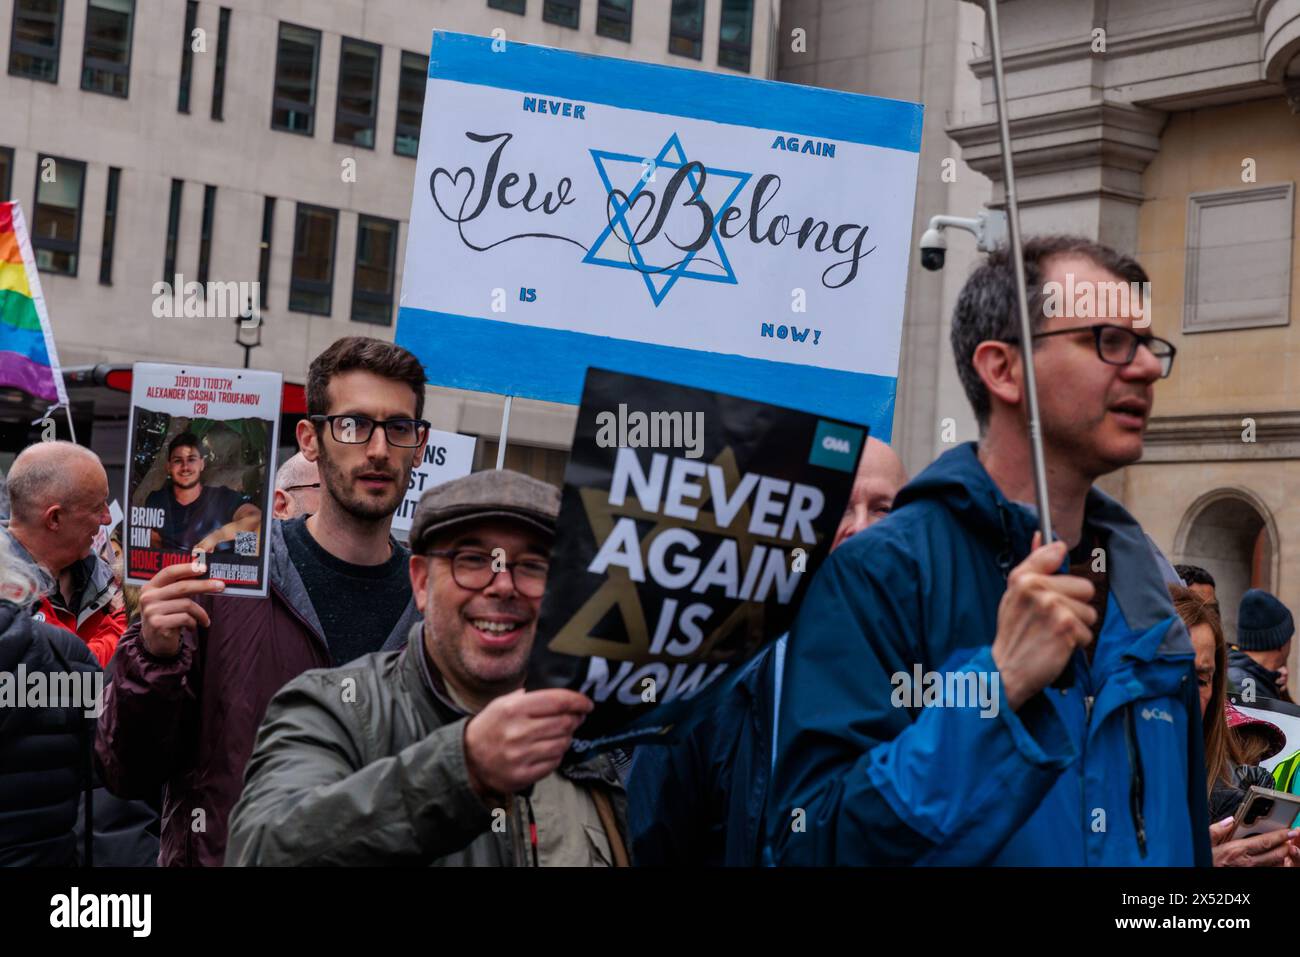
(836, 446)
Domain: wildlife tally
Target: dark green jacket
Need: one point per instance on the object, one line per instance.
(365, 765)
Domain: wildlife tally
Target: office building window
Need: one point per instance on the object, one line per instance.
(510, 6)
(106, 60)
(110, 228)
(311, 284)
(56, 225)
(372, 284)
(614, 19)
(686, 29)
(34, 40)
(735, 35)
(219, 69)
(293, 108)
(187, 55)
(6, 173)
(173, 229)
(563, 12)
(264, 249)
(354, 115)
(205, 231)
(410, 103)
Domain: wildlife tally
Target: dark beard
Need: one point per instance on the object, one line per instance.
(338, 486)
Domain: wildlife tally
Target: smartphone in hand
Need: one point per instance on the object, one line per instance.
(1265, 810)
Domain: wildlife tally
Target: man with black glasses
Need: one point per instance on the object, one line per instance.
(1083, 745)
(437, 756)
(193, 677)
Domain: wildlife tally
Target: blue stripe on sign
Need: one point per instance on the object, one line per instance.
(676, 91)
(484, 355)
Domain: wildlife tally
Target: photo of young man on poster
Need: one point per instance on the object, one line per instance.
(198, 516)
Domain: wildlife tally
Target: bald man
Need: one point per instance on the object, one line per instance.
(297, 488)
(701, 801)
(58, 495)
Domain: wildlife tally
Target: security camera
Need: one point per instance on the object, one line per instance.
(933, 246)
(989, 229)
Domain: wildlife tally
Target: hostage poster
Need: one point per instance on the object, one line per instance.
(690, 525)
(200, 471)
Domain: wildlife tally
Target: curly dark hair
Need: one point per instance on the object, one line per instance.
(1194, 575)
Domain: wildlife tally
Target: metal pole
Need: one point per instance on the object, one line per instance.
(72, 432)
(505, 428)
(1022, 295)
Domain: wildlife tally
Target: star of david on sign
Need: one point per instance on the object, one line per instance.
(619, 592)
(626, 254)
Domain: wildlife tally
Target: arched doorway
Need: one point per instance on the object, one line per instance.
(1230, 533)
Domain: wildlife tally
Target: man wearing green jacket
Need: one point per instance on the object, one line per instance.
(433, 754)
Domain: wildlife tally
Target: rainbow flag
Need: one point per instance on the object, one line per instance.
(28, 360)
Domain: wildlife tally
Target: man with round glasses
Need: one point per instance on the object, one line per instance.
(434, 754)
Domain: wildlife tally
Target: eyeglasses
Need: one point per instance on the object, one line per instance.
(357, 429)
(473, 570)
(1117, 345)
(294, 488)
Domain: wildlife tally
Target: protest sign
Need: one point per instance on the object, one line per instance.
(106, 531)
(447, 456)
(690, 525)
(201, 448)
(719, 231)
(1282, 714)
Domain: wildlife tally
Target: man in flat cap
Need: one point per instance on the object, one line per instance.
(434, 754)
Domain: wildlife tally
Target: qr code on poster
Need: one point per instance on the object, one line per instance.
(246, 544)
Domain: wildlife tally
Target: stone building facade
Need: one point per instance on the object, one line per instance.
(1169, 129)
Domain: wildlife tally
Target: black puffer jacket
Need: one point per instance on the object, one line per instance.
(1241, 667)
(1225, 799)
(44, 751)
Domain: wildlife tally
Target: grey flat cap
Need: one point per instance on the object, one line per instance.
(495, 493)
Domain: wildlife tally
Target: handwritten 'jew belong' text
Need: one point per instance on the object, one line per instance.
(675, 203)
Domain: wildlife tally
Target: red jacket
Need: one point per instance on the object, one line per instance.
(100, 630)
(92, 618)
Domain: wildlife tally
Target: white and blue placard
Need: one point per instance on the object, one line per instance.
(726, 233)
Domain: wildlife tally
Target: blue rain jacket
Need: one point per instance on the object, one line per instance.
(1107, 772)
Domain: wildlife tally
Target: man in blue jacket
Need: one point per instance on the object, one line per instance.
(917, 724)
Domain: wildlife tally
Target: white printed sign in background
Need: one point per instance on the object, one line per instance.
(447, 456)
(1285, 716)
(739, 235)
